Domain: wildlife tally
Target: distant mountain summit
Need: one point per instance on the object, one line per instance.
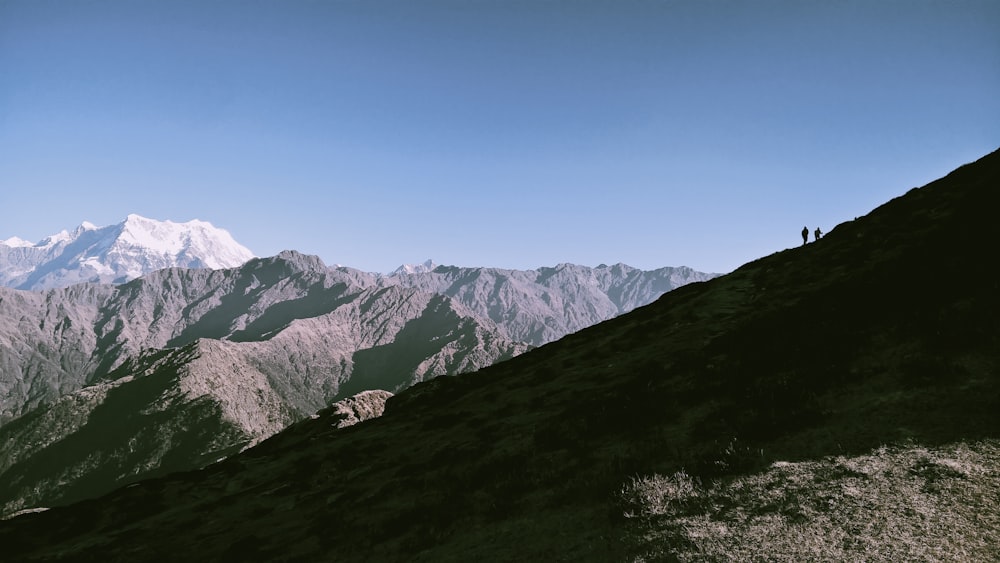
(117, 253)
(423, 268)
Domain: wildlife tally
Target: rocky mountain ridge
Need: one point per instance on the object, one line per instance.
(543, 305)
(533, 306)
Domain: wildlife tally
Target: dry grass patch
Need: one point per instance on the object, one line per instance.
(905, 503)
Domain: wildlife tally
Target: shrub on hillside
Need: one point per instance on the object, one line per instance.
(661, 495)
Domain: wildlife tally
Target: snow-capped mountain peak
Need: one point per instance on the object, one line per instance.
(62, 236)
(15, 242)
(423, 268)
(52, 240)
(193, 241)
(117, 253)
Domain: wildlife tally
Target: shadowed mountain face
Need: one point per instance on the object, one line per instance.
(831, 349)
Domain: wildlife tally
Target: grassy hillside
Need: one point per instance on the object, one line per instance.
(905, 503)
(866, 361)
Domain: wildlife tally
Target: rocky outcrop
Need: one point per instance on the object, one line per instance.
(359, 408)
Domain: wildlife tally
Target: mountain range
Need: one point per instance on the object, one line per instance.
(105, 384)
(532, 306)
(821, 403)
(117, 253)
(542, 305)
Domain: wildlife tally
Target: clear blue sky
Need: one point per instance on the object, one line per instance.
(487, 132)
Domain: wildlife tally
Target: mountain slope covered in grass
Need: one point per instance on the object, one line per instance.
(824, 375)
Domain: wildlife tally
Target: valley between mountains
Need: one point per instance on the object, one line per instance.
(103, 385)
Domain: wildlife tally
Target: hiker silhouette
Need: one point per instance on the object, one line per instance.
(805, 235)
(818, 233)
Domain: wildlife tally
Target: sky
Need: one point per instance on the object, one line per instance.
(506, 133)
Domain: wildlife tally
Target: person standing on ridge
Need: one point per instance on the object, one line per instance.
(805, 235)
(818, 233)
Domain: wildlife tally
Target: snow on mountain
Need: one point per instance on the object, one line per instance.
(15, 242)
(116, 253)
(426, 266)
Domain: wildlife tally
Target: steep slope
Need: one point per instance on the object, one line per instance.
(117, 253)
(187, 408)
(831, 349)
(175, 410)
(54, 342)
(543, 305)
(47, 344)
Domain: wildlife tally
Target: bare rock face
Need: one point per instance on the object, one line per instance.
(364, 406)
(47, 344)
